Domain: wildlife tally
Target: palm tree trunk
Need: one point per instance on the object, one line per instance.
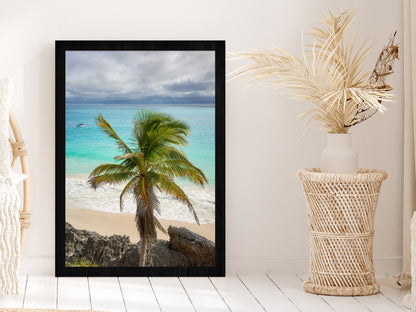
(143, 253)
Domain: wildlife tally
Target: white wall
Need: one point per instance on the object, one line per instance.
(266, 215)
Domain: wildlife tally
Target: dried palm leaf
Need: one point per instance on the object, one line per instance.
(330, 75)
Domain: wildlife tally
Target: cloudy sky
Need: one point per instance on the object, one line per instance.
(140, 77)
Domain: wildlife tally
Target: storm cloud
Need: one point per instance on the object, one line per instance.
(140, 77)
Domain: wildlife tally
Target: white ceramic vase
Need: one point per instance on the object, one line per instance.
(339, 156)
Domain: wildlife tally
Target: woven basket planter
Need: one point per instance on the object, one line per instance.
(341, 210)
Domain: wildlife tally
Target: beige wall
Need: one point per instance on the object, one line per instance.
(266, 216)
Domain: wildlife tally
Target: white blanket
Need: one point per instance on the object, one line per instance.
(9, 203)
(9, 237)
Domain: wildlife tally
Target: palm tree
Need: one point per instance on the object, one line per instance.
(151, 162)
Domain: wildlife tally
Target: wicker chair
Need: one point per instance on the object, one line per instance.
(19, 152)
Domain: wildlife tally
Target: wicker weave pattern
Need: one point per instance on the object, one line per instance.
(25, 219)
(341, 210)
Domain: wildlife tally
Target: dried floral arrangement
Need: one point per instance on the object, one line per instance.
(331, 74)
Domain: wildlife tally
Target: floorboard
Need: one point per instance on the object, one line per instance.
(73, 293)
(41, 292)
(292, 287)
(203, 294)
(138, 294)
(235, 294)
(170, 294)
(378, 303)
(253, 293)
(106, 294)
(338, 303)
(270, 297)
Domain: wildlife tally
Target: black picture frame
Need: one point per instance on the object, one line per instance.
(61, 47)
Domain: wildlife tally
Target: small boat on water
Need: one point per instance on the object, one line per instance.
(80, 125)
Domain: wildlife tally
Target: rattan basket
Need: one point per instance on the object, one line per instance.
(19, 152)
(341, 210)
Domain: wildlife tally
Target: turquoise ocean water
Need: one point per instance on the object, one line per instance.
(88, 147)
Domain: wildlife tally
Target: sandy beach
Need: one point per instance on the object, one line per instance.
(107, 223)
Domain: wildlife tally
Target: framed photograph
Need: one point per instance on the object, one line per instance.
(140, 158)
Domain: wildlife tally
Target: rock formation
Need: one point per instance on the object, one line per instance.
(185, 249)
(199, 250)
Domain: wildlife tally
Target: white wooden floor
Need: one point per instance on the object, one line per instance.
(234, 293)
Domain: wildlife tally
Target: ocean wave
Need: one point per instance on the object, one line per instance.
(79, 195)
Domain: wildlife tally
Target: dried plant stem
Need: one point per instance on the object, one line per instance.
(330, 75)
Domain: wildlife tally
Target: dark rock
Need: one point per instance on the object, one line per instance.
(199, 250)
(184, 249)
(105, 250)
(92, 247)
(73, 240)
(160, 255)
(131, 257)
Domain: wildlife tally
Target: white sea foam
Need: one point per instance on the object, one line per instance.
(79, 195)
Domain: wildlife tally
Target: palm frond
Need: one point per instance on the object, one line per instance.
(170, 187)
(181, 169)
(176, 164)
(154, 131)
(330, 76)
(128, 188)
(109, 168)
(160, 227)
(134, 158)
(110, 178)
(107, 129)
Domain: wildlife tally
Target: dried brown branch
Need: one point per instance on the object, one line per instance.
(377, 79)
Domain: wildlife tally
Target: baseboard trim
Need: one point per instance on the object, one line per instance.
(235, 265)
(45, 265)
(38, 265)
